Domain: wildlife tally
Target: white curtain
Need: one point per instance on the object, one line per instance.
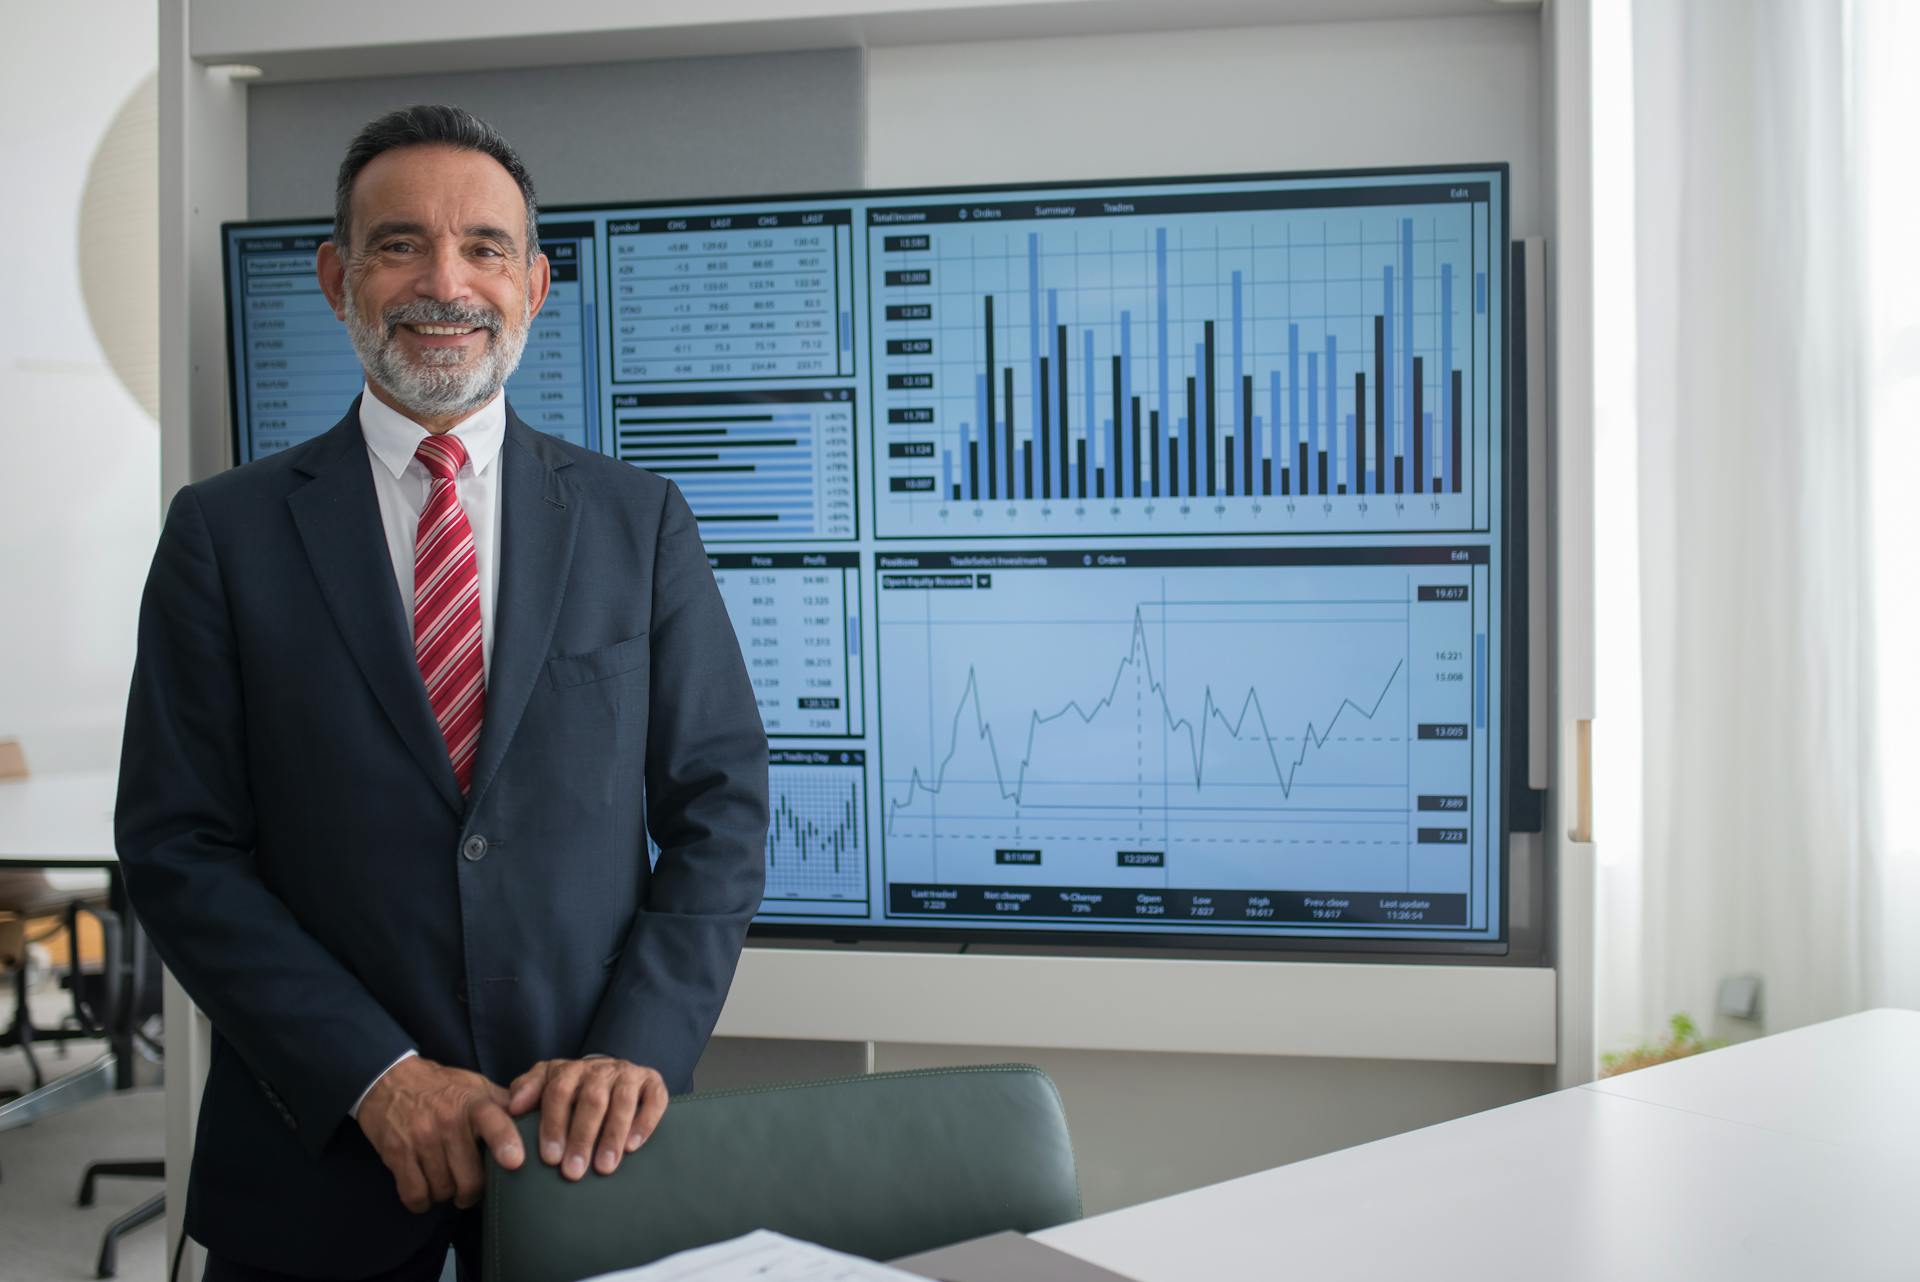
(1755, 850)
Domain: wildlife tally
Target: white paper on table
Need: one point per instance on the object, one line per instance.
(760, 1256)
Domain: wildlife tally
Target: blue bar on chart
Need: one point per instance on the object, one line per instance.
(752, 464)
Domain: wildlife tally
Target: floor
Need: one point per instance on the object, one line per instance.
(43, 1235)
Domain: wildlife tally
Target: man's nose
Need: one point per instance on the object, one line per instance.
(443, 276)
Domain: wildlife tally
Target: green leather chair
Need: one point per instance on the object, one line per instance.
(881, 1166)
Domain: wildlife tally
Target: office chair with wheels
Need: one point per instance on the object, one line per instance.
(881, 1166)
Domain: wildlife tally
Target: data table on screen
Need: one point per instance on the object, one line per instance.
(1229, 362)
(816, 834)
(1278, 739)
(732, 296)
(293, 359)
(797, 617)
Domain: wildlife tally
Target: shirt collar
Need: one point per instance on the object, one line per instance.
(393, 438)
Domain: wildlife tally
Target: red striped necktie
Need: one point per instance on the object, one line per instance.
(446, 608)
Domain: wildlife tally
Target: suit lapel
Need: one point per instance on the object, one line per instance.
(339, 522)
(539, 516)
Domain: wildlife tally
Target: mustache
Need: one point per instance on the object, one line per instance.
(428, 312)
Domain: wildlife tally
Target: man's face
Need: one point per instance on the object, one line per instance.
(435, 286)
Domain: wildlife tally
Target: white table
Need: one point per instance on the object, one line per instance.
(1792, 1157)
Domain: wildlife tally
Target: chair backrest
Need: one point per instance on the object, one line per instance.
(881, 1166)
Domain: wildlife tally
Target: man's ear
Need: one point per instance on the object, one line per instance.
(331, 268)
(539, 280)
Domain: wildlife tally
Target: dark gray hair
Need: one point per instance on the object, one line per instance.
(429, 124)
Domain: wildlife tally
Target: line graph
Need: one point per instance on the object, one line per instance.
(1071, 721)
(1194, 730)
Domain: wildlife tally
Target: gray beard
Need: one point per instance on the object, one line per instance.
(444, 382)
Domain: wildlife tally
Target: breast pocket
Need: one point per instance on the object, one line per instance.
(565, 671)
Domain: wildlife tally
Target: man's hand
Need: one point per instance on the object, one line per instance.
(590, 1109)
(423, 1119)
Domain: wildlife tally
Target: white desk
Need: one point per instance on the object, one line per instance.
(62, 823)
(1792, 1157)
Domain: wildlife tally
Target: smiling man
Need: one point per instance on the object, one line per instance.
(410, 698)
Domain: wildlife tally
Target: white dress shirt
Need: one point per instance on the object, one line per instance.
(400, 485)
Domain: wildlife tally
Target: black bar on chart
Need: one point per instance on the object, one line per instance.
(1026, 466)
(1213, 441)
(973, 470)
(1046, 435)
(1153, 441)
(1266, 476)
(1456, 431)
(987, 428)
(1399, 474)
(1060, 374)
(1100, 483)
(1173, 469)
(1028, 493)
(1323, 471)
(1306, 478)
(1379, 405)
(1246, 433)
(1286, 482)
(1119, 430)
(1359, 432)
(1419, 433)
(1229, 460)
(1080, 466)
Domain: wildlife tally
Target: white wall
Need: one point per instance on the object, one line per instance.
(79, 455)
(1305, 96)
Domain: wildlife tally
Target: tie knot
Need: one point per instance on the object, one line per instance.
(441, 455)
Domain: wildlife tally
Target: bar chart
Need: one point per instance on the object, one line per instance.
(1169, 367)
(816, 839)
(752, 464)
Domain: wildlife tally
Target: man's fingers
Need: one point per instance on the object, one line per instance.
(527, 1089)
(463, 1164)
(497, 1131)
(431, 1152)
(612, 1142)
(556, 1106)
(653, 1107)
(589, 1112)
(408, 1182)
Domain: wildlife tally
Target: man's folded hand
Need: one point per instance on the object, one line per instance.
(424, 1120)
(591, 1110)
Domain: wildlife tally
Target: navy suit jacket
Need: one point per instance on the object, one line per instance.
(296, 844)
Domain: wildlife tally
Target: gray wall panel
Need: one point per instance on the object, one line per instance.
(607, 132)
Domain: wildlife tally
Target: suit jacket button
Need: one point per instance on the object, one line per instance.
(475, 848)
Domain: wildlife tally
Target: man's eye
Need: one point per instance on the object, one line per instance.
(487, 250)
(397, 247)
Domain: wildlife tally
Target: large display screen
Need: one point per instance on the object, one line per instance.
(1116, 562)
